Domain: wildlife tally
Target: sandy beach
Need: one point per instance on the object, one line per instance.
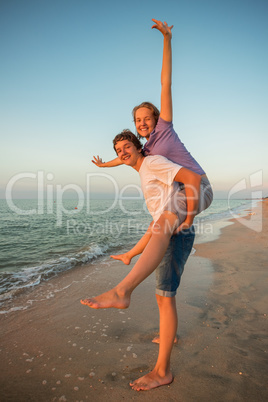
(59, 350)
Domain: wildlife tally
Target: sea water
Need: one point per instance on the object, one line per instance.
(37, 243)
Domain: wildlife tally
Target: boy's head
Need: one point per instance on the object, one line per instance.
(129, 136)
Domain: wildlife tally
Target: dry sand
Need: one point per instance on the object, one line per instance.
(59, 350)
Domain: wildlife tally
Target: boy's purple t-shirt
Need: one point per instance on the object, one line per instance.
(164, 141)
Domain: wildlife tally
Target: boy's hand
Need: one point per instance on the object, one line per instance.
(98, 161)
(163, 27)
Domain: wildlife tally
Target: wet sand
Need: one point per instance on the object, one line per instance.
(60, 350)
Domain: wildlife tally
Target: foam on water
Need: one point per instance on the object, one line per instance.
(13, 282)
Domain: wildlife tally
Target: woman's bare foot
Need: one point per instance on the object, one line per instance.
(151, 380)
(110, 299)
(122, 257)
(157, 339)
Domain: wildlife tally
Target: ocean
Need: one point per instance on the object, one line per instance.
(39, 241)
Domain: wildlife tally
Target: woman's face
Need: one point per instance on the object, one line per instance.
(145, 121)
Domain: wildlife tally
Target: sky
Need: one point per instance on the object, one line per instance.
(71, 72)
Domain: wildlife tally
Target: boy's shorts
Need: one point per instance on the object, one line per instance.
(169, 271)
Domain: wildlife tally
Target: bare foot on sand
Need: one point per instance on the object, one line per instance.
(110, 299)
(122, 257)
(157, 339)
(151, 380)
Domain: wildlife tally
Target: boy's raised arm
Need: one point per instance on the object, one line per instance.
(98, 162)
(166, 73)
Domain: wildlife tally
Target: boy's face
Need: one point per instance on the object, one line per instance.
(144, 121)
(127, 152)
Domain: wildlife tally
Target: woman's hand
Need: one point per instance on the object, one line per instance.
(163, 27)
(184, 226)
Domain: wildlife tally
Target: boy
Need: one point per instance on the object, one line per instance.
(166, 201)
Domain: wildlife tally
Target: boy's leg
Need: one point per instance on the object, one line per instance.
(168, 276)
(119, 297)
(161, 374)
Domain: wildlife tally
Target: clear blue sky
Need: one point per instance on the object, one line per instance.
(72, 70)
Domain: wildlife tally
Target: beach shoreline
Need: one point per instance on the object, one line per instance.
(57, 349)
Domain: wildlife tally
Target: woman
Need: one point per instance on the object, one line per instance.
(157, 128)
